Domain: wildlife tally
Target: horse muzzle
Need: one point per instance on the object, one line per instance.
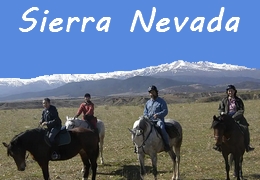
(22, 167)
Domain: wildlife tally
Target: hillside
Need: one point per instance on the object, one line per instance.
(130, 100)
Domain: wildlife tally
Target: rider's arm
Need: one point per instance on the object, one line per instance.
(80, 110)
(90, 109)
(240, 110)
(221, 107)
(54, 118)
(146, 109)
(164, 109)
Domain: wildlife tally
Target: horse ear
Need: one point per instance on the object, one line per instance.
(131, 131)
(6, 145)
(67, 117)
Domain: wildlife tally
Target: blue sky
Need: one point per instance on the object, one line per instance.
(34, 53)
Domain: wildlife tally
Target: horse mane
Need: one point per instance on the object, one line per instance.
(26, 133)
(143, 122)
(224, 119)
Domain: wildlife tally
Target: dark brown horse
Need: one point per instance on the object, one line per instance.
(230, 139)
(77, 140)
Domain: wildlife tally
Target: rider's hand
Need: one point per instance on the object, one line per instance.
(155, 116)
(44, 124)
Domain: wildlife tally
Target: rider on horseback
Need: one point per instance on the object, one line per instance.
(156, 109)
(234, 106)
(87, 108)
(50, 118)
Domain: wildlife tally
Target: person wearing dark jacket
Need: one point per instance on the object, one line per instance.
(51, 119)
(234, 106)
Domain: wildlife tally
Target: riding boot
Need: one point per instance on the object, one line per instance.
(165, 141)
(167, 147)
(54, 151)
(96, 131)
(247, 140)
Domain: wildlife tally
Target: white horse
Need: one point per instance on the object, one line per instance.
(71, 123)
(148, 141)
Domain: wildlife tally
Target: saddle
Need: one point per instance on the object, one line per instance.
(91, 120)
(171, 130)
(62, 138)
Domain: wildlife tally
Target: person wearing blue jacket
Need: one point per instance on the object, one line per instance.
(156, 109)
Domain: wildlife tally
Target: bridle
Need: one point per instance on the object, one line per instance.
(142, 134)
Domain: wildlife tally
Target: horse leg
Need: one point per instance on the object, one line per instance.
(101, 148)
(175, 156)
(142, 168)
(86, 165)
(45, 170)
(93, 162)
(231, 164)
(154, 164)
(240, 168)
(237, 166)
(226, 165)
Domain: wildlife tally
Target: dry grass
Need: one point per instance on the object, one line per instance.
(198, 160)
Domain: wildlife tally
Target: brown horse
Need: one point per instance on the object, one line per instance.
(230, 139)
(78, 140)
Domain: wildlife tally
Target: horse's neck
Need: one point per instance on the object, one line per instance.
(149, 128)
(231, 124)
(31, 138)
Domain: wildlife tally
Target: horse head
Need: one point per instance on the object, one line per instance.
(140, 129)
(76, 122)
(15, 150)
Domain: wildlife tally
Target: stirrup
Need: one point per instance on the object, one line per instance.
(217, 148)
(249, 148)
(55, 156)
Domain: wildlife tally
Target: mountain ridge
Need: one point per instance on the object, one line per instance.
(178, 76)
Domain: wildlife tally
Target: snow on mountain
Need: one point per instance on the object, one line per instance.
(174, 67)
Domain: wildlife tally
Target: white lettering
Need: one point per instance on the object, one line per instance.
(106, 26)
(200, 26)
(139, 14)
(70, 21)
(85, 21)
(235, 26)
(56, 22)
(44, 19)
(34, 21)
(219, 19)
(179, 27)
(163, 22)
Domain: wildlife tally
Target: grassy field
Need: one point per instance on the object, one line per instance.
(198, 159)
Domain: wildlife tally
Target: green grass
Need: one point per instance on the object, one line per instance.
(198, 159)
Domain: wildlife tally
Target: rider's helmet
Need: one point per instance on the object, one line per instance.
(231, 87)
(152, 88)
(87, 95)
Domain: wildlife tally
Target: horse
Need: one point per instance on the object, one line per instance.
(71, 142)
(230, 139)
(71, 123)
(148, 140)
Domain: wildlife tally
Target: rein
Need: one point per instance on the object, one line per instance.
(143, 143)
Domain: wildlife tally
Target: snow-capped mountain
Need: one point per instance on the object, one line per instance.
(177, 70)
(174, 67)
